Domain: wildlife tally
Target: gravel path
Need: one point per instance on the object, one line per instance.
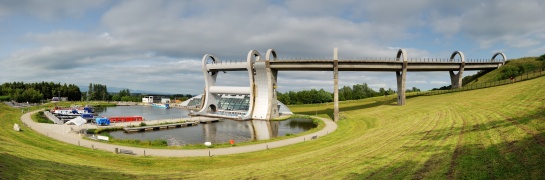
(60, 133)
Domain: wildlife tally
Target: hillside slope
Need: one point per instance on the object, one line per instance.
(512, 68)
(496, 132)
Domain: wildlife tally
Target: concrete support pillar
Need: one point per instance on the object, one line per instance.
(456, 79)
(335, 86)
(401, 76)
(272, 83)
(265, 106)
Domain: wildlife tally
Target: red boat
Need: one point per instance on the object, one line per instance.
(125, 118)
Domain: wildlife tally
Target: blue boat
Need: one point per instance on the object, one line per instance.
(156, 105)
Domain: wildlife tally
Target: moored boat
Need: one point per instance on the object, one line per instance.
(157, 105)
(71, 110)
(125, 118)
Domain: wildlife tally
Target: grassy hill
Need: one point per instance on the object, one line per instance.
(512, 68)
(497, 132)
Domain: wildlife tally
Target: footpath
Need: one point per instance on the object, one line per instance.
(60, 133)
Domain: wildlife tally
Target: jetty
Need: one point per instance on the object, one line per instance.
(160, 127)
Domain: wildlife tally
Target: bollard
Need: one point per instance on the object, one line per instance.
(78, 143)
(304, 139)
(209, 154)
(116, 151)
(93, 146)
(267, 147)
(144, 152)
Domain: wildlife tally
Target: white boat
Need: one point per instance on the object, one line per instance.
(71, 111)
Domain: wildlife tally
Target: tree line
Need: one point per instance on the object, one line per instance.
(38, 91)
(358, 91)
(44, 91)
(97, 92)
(125, 95)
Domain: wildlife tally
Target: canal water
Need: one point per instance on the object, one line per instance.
(219, 132)
(147, 112)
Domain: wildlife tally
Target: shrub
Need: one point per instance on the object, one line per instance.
(541, 58)
(101, 130)
(142, 124)
(5, 98)
(159, 142)
(40, 117)
(509, 71)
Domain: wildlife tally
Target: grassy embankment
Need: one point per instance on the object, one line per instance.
(489, 133)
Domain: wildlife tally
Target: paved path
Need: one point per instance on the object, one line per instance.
(60, 133)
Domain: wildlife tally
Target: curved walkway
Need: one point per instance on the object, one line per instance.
(59, 133)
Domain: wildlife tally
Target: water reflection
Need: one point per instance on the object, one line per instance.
(263, 130)
(223, 131)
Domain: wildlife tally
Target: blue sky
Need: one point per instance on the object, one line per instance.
(158, 45)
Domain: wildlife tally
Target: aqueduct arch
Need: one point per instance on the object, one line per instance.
(501, 54)
(456, 78)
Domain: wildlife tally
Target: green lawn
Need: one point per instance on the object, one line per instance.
(496, 132)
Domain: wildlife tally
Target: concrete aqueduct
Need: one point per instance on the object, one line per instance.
(263, 71)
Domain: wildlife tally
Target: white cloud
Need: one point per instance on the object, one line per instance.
(141, 44)
(439, 82)
(506, 22)
(537, 51)
(447, 25)
(51, 9)
(417, 82)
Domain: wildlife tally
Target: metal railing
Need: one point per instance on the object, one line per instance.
(385, 59)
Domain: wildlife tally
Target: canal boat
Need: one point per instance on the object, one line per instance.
(71, 110)
(125, 118)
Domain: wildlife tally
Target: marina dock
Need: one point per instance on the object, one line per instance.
(160, 127)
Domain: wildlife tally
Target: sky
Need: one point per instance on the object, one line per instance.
(158, 46)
